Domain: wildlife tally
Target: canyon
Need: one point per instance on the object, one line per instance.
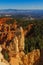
(12, 44)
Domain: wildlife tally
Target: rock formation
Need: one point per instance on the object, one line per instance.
(2, 60)
(16, 44)
(12, 40)
(21, 40)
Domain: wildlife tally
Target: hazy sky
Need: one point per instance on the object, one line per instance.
(21, 4)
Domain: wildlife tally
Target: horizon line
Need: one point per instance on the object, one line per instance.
(19, 9)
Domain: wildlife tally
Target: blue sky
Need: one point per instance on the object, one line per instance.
(21, 4)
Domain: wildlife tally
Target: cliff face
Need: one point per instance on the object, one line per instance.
(2, 60)
(12, 41)
(21, 59)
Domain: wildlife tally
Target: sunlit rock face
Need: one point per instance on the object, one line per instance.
(32, 57)
(1, 56)
(16, 44)
(3, 63)
(2, 60)
(28, 59)
(19, 41)
(15, 61)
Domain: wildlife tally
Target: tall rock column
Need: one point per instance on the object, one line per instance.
(21, 40)
(16, 44)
